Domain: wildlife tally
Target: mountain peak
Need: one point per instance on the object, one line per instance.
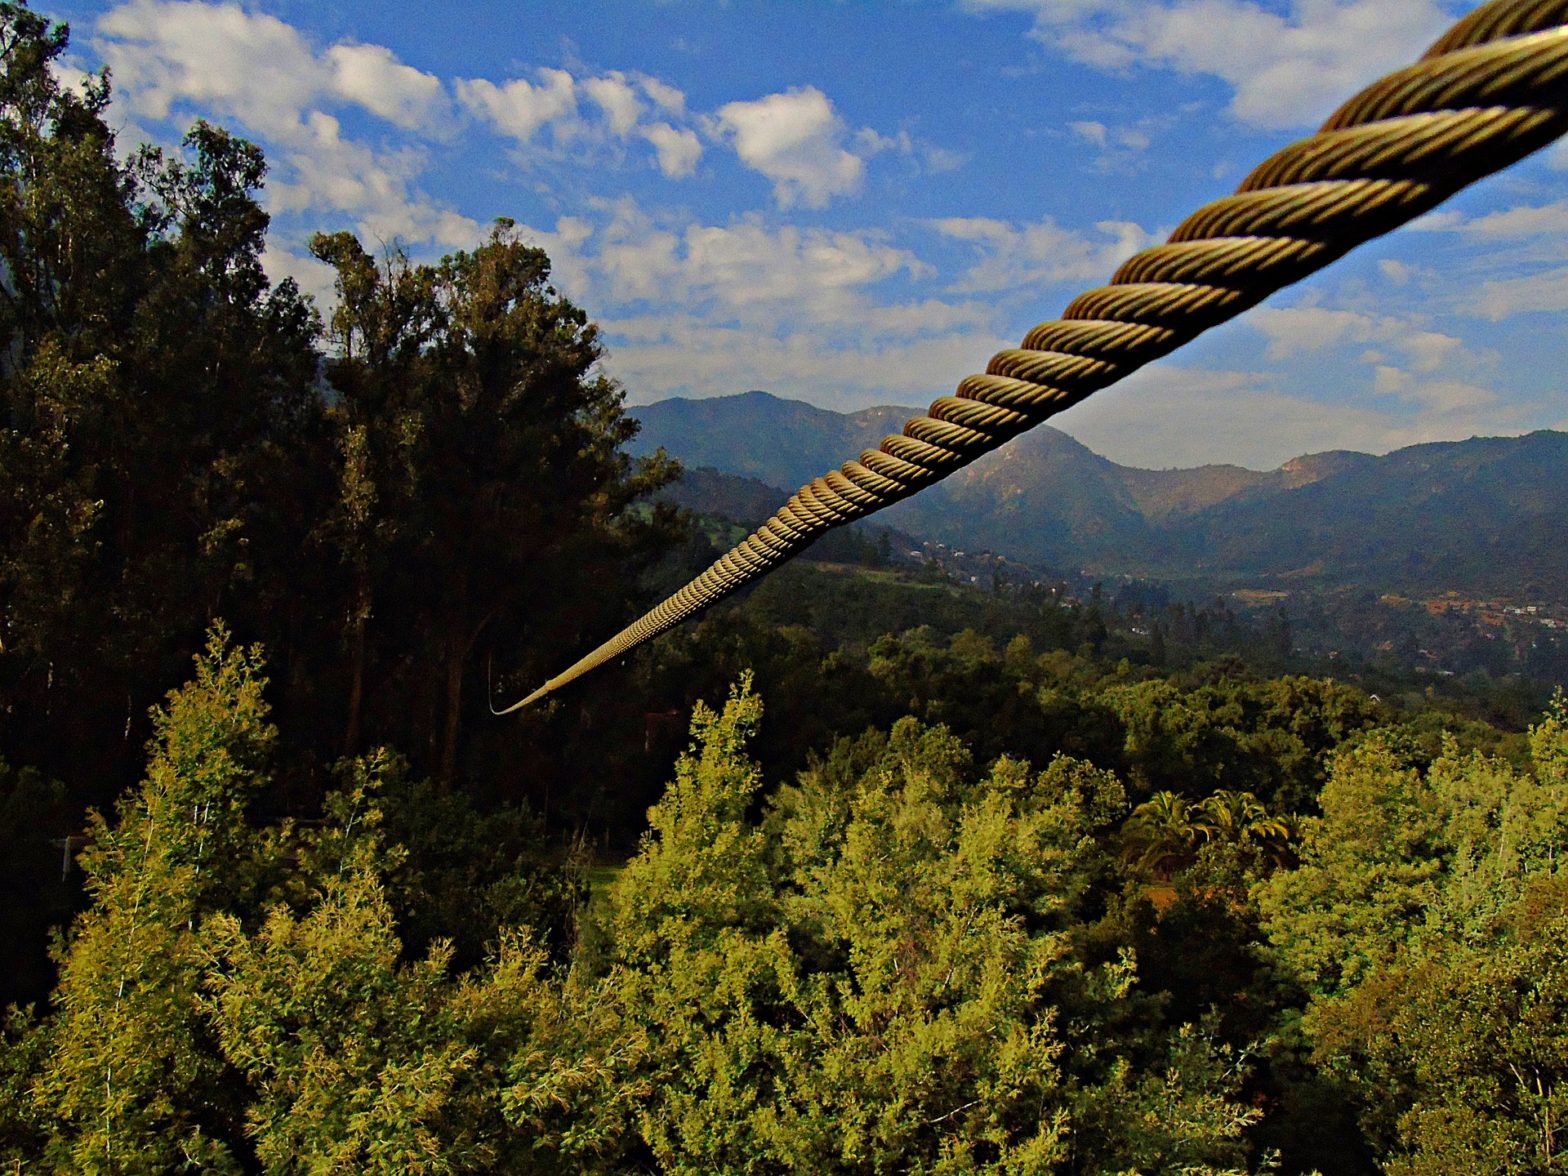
(757, 434)
(1314, 467)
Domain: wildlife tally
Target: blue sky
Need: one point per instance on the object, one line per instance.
(857, 203)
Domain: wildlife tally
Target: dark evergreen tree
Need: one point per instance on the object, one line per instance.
(158, 405)
(484, 509)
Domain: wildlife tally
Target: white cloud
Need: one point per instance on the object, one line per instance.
(1437, 371)
(801, 311)
(1286, 70)
(163, 53)
(1395, 271)
(691, 356)
(325, 172)
(678, 149)
(1297, 331)
(1438, 398)
(519, 108)
(1420, 385)
(931, 159)
(174, 57)
(373, 77)
(795, 139)
(1041, 253)
(1096, 133)
(1515, 224)
(1306, 330)
(1099, 135)
(665, 96)
(1513, 264)
(1501, 298)
(315, 278)
(1430, 351)
(747, 264)
(936, 160)
(746, 271)
(1118, 148)
(616, 97)
(932, 316)
(1167, 416)
(253, 68)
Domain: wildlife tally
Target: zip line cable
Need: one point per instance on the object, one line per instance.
(1493, 90)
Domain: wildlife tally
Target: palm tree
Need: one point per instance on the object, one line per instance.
(1164, 833)
(1161, 836)
(1241, 818)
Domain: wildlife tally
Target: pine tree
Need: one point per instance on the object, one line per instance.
(133, 1081)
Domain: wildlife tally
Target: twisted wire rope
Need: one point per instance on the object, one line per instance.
(1491, 91)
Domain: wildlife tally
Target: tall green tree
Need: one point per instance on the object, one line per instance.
(890, 973)
(158, 411)
(355, 1058)
(238, 995)
(132, 1081)
(1426, 925)
(68, 240)
(485, 494)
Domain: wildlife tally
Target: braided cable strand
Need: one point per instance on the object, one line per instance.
(1491, 91)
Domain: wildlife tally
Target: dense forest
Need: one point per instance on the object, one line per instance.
(866, 871)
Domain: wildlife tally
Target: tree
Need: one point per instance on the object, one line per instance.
(66, 234)
(1161, 835)
(239, 995)
(131, 1081)
(354, 1058)
(67, 230)
(1426, 924)
(485, 492)
(889, 972)
(1240, 818)
(36, 821)
(157, 408)
(384, 320)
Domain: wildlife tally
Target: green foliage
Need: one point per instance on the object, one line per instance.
(23, 1134)
(1426, 923)
(156, 401)
(885, 973)
(312, 1012)
(36, 820)
(1267, 738)
(901, 961)
(465, 876)
(130, 1082)
(482, 485)
(235, 995)
(1165, 833)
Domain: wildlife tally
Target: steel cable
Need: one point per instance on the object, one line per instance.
(1489, 92)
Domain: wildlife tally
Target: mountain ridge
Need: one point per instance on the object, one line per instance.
(1489, 514)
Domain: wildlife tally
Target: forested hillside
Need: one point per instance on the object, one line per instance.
(868, 870)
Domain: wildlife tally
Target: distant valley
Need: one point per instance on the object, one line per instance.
(1484, 517)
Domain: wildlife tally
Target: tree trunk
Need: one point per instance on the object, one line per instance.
(457, 646)
(356, 682)
(455, 656)
(460, 643)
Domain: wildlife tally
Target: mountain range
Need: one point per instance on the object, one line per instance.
(1487, 516)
